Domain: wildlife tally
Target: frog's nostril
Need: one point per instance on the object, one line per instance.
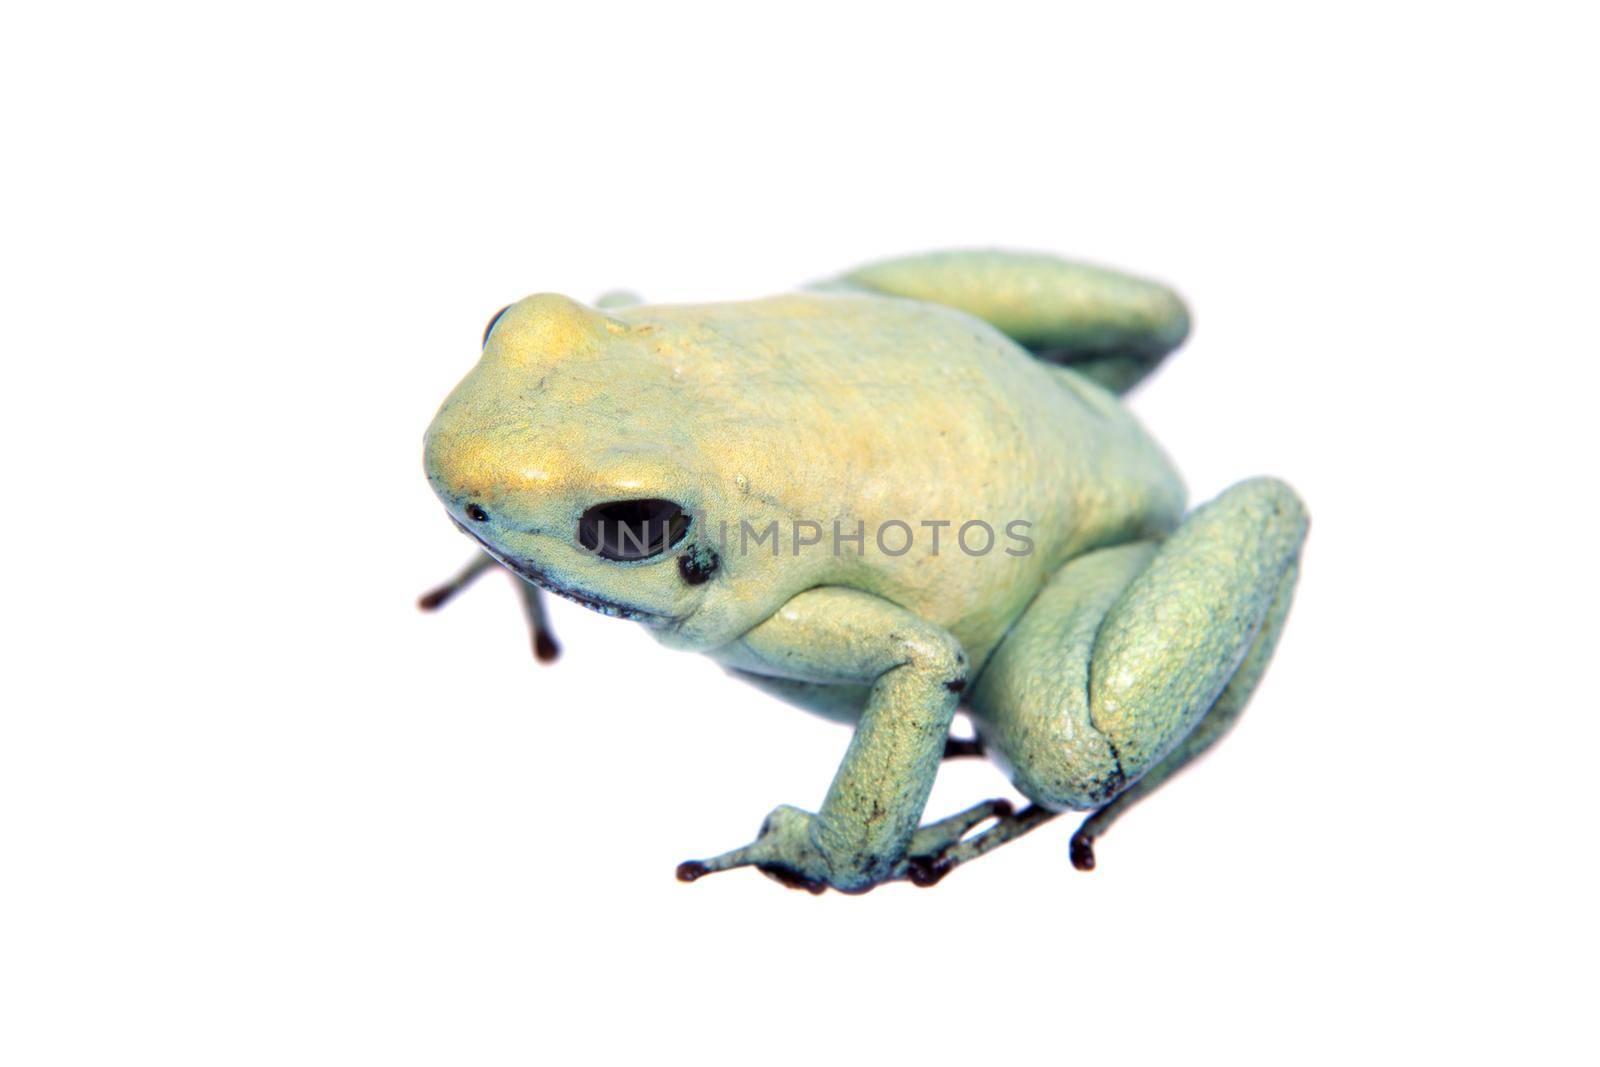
(477, 514)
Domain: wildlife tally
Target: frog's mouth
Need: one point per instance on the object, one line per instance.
(528, 572)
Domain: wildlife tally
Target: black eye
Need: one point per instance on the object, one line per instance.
(487, 330)
(477, 514)
(626, 530)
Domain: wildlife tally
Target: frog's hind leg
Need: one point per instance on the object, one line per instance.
(1135, 659)
(1111, 327)
(1212, 727)
(545, 649)
(618, 298)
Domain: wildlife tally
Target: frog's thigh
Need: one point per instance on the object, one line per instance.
(1031, 702)
(1127, 648)
(1213, 726)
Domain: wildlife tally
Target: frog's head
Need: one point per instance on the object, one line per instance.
(563, 455)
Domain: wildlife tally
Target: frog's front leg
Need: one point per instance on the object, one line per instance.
(545, 649)
(863, 833)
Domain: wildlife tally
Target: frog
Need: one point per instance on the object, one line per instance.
(724, 475)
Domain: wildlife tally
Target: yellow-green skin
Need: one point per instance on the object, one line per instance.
(892, 395)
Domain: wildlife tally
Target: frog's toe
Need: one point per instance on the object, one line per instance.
(694, 870)
(926, 869)
(1081, 850)
(782, 851)
(440, 595)
(690, 870)
(936, 837)
(931, 847)
(545, 649)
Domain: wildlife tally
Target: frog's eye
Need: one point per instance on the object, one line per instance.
(627, 530)
(487, 330)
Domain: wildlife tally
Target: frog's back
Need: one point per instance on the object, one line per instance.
(874, 410)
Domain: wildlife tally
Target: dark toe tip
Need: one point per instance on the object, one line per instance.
(545, 649)
(433, 599)
(925, 872)
(689, 871)
(1003, 809)
(1082, 852)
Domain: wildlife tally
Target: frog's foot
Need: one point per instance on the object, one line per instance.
(929, 868)
(934, 839)
(545, 649)
(784, 851)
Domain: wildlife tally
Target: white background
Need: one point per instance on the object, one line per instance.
(255, 809)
